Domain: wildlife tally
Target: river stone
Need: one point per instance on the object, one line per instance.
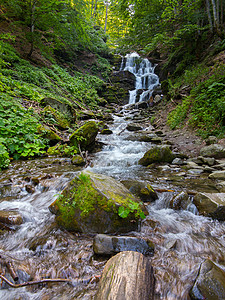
(214, 150)
(10, 217)
(210, 161)
(142, 190)
(127, 275)
(217, 175)
(107, 245)
(91, 203)
(157, 154)
(211, 205)
(210, 282)
(85, 135)
(221, 186)
(78, 160)
(133, 127)
(211, 140)
(180, 201)
(106, 131)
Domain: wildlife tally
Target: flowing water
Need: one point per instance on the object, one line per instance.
(145, 78)
(39, 249)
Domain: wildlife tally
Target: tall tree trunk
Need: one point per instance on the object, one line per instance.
(215, 20)
(209, 15)
(32, 21)
(106, 15)
(221, 13)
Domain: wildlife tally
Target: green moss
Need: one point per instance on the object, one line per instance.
(55, 117)
(157, 155)
(63, 150)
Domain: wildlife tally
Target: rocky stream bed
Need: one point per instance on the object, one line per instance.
(182, 237)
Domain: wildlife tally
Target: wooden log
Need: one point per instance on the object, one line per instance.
(127, 276)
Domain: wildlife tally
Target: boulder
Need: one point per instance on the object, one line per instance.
(157, 154)
(95, 203)
(85, 135)
(107, 245)
(106, 131)
(210, 282)
(180, 201)
(214, 150)
(211, 140)
(127, 275)
(211, 205)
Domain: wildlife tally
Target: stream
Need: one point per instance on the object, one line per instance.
(39, 249)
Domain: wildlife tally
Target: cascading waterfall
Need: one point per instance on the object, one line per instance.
(146, 79)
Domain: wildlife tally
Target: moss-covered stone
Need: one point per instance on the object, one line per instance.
(78, 160)
(157, 154)
(56, 117)
(48, 134)
(62, 150)
(91, 204)
(85, 135)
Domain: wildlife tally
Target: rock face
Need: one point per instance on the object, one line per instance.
(211, 205)
(127, 275)
(95, 203)
(142, 190)
(85, 135)
(213, 150)
(157, 154)
(107, 245)
(210, 283)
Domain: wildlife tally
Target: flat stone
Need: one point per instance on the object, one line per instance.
(106, 245)
(217, 175)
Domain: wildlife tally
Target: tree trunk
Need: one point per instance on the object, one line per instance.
(127, 275)
(209, 15)
(32, 21)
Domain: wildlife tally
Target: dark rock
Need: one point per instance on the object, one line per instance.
(95, 203)
(127, 275)
(10, 218)
(133, 127)
(142, 190)
(107, 245)
(106, 131)
(210, 282)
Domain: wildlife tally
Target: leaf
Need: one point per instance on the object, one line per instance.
(123, 212)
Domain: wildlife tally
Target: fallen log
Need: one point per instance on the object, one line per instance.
(127, 276)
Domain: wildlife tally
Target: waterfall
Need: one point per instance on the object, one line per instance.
(146, 79)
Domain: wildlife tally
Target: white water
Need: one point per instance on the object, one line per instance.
(146, 79)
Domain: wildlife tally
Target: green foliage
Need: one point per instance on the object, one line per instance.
(179, 114)
(4, 156)
(132, 207)
(18, 128)
(63, 150)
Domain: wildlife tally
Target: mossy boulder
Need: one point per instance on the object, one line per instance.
(62, 150)
(85, 135)
(49, 134)
(95, 203)
(78, 160)
(157, 154)
(4, 157)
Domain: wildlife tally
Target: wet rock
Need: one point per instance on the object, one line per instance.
(177, 161)
(210, 161)
(95, 203)
(106, 131)
(85, 135)
(211, 205)
(133, 127)
(106, 245)
(107, 117)
(127, 275)
(10, 218)
(221, 186)
(30, 188)
(217, 175)
(142, 190)
(214, 150)
(210, 282)
(141, 104)
(180, 201)
(157, 154)
(78, 160)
